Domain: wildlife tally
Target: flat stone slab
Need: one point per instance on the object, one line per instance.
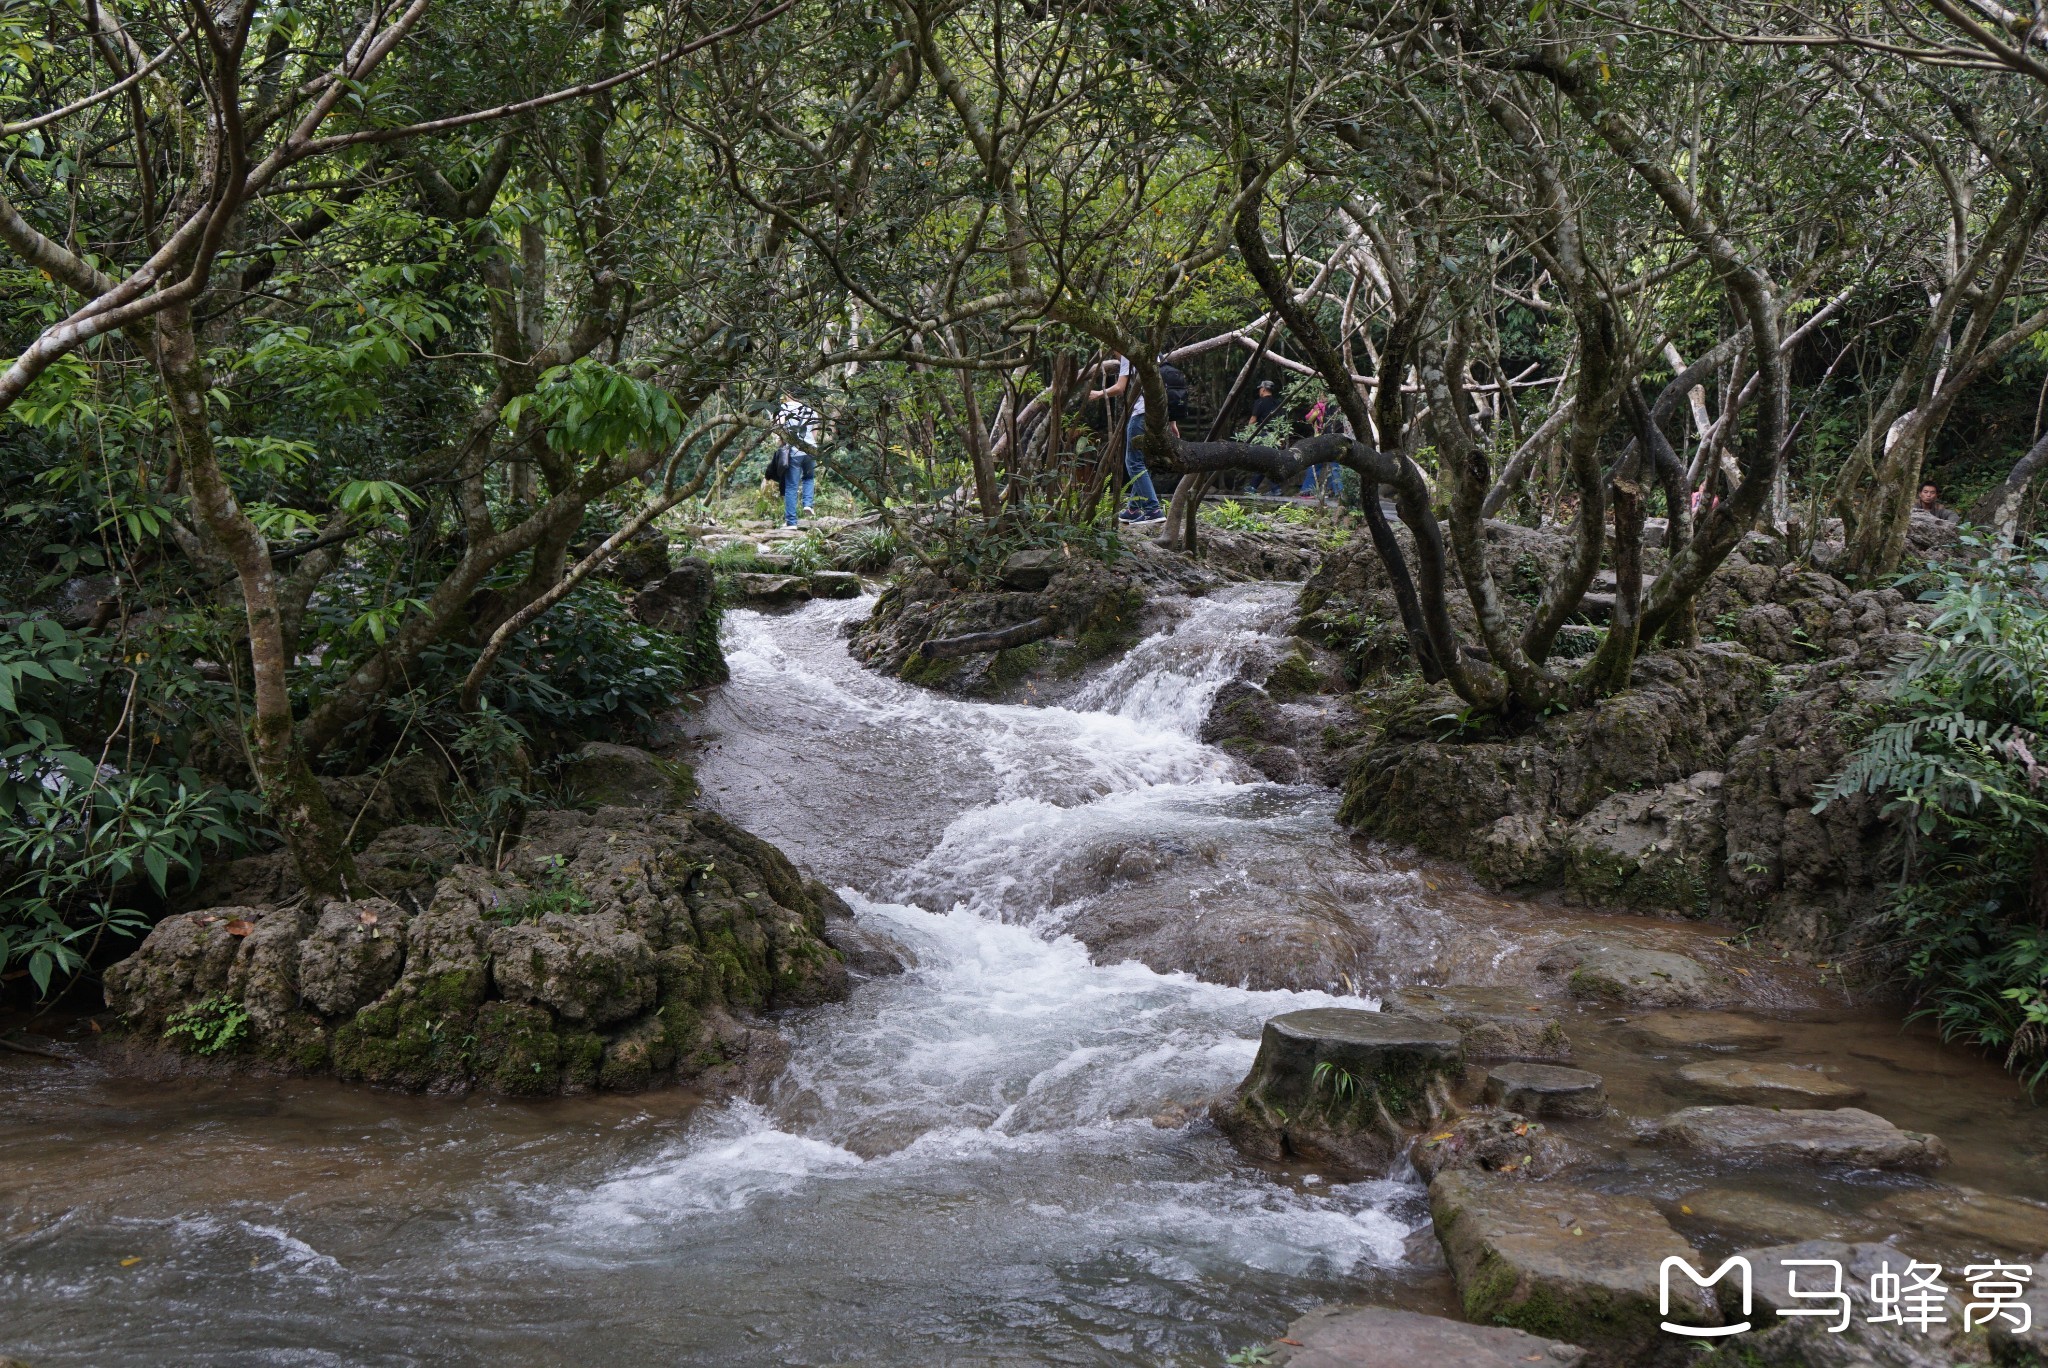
(1769, 1084)
(1351, 1027)
(1563, 1261)
(1381, 1337)
(1542, 1090)
(751, 587)
(834, 584)
(1762, 1214)
(1705, 1030)
(1966, 1219)
(1497, 1022)
(1630, 976)
(1849, 1136)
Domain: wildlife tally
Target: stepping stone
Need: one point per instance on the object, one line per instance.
(1849, 1136)
(1497, 1023)
(752, 588)
(1545, 1090)
(1968, 1220)
(1754, 1214)
(1770, 1084)
(1327, 1081)
(1705, 1030)
(1629, 976)
(1381, 1337)
(1564, 1262)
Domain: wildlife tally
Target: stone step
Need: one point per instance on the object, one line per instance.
(1770, 1085)
(1381, 1337)
(1545, 1090)
(1849, 1136)
(1496, 1022)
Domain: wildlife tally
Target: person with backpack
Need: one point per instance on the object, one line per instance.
(793, 469)
(1143, 505)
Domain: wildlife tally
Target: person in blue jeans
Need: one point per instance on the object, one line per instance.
(1144, 496)
(796, 470)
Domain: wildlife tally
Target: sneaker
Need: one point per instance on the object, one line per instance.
(1129, 515)
(810, 512)
(1148, 519)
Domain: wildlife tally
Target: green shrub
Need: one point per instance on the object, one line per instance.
(1961, 767)
(100, 815)
(1231, 516)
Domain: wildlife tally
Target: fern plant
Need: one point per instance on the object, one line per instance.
(1960, 766)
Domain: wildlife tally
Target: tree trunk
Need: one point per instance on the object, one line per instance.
(311, 830)
(1999, 510)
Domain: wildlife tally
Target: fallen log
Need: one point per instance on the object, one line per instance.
(980, 643)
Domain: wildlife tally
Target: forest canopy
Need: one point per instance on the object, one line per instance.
(347, 344)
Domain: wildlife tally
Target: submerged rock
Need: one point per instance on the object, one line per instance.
(1630, 976)
(619, 949)
(1769, 1084)
(1749, 1215)
(1964, 1219)
(1545, 1090)
(1564, 1262)
(1381, 1337)
(1495, 1022)
(1338, 1087)
(1705, 1030)
(1849, 1136)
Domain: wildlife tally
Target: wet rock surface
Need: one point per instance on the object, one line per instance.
(620, 949)
(1780, 1085)
(1502, 1142)
(1381, 1337)
(1545, 1090)
(1495, 1022)
(1705, 1030)
(1747, 1215)
(1966, 1220)
(1089, 612)
(1563, 1262)
(1849, 1136)
(1624, 975)
(1337, 1087)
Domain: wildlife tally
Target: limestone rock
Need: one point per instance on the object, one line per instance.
(680, 601)
(1812, 1341)
(410, 856)
(1969, 1221)
(602, 774)
(1334, 1086)
(1848, 1136)
(1381, 1337)
(1705, 1030)
(1563, 1262)
(1502, 1142)
(758, 590)
(1495, 1022)
(1770, 1085)
(1630, 976)
(1522, 849)
(586, 967)
(834, 584)
(352, 957)
(1659, 848)
(1030, 570)
(182, 960)
(1543, 1090)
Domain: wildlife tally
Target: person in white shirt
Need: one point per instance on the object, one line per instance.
(1143, 506)
(793, 467)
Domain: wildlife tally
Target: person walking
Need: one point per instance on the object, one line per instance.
(795, 468)
(1143, 504)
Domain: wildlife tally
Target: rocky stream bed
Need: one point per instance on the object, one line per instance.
(1051, 1077)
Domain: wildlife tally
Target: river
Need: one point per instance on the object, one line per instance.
(961, 1164)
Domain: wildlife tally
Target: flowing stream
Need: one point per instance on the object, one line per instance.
(961, 1164)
